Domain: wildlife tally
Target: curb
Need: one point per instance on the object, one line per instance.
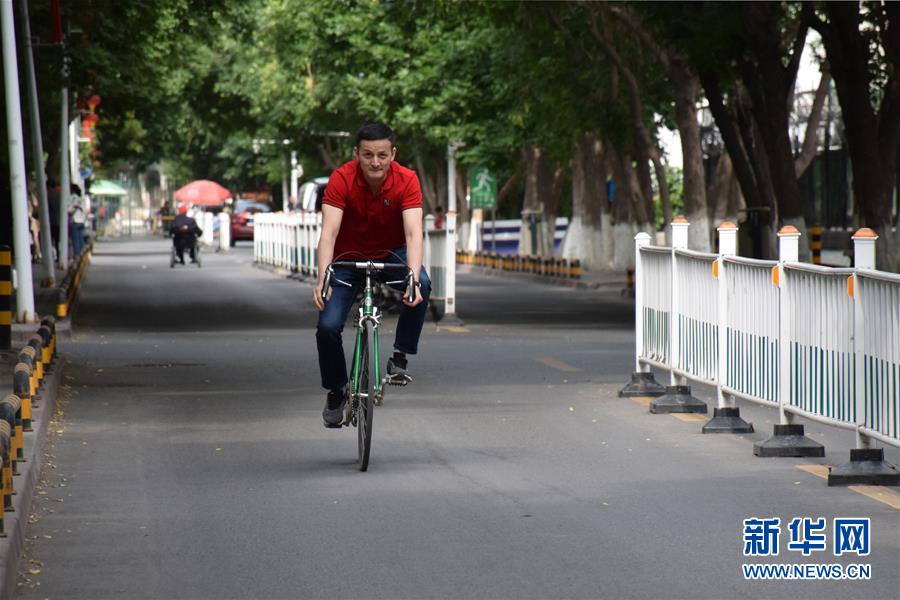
(559, 281)
(16, 522)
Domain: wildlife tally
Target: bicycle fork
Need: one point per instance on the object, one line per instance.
(368, 313)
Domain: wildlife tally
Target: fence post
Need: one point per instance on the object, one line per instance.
(867, 465)
(450, 317)
(642, 384)
(224, 231)
(788, 438)
(727, 247)
(788, 251)
(726, 416)
(677, 398)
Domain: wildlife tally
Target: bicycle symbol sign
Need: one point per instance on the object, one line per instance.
(482, 189)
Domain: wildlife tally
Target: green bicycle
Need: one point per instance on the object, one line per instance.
(366, 384)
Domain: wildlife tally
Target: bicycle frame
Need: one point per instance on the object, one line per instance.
(368, 313)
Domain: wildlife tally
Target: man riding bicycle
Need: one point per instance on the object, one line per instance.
(185, 232)
(372, 210)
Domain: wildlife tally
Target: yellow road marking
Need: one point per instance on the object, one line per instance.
(452, 329)
(817, 470)
(556, 364)
(690, 417)
(880, 493)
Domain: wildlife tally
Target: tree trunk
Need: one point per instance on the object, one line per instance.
(529, 242)
(587, 233)
(872, 137)
(646, 150)
(628, 211)
(769, 81)
(429, 193)
(811, 135)
(686, 90)
(725, 192)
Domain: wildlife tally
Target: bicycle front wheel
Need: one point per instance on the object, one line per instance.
(366, 407)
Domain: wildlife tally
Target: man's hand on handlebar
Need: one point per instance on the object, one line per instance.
(416, 294)
(318, 302)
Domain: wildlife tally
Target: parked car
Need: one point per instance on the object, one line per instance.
(311, 194)
(242, 218)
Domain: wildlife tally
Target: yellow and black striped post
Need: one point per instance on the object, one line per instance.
(5, 298)
(815, 244)
(11, 413)
(22, 387)
(50, 323)
(6, 478)
(46, 352)
(576, 269)
(35, 343)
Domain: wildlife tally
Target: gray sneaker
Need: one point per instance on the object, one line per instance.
(333, 413)
(396, 371)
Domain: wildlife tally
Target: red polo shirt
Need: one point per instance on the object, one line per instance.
(372, 224)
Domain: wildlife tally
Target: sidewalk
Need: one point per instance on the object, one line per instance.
(43, 408)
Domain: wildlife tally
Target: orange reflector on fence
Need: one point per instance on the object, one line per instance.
(775, 275)
(716, 268)
(850, 286)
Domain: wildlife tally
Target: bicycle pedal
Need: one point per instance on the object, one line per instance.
(398, 380)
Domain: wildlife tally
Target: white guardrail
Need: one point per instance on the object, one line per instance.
(290, 240)
(723, 320)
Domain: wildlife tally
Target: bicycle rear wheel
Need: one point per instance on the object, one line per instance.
(365, 408)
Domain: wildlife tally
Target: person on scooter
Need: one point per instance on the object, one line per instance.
(185, 232)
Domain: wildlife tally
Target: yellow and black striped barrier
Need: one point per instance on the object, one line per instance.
(50, 323)
(6, 477)
(560, 268)
(5, 298)
(68, 289)
(11, 413)
(815, 244)
(37, 363)
(23, 387)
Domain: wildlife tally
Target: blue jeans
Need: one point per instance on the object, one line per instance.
(77, 238)
(332, 363)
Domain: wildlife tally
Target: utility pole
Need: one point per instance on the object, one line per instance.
(38, 152)
(64, 182)
(21, 237)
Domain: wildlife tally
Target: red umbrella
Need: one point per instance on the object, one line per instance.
(202, 192)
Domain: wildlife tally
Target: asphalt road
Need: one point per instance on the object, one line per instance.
(189, 459)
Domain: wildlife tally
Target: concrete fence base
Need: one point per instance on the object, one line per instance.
(788, 440)
(866, 467)
(727, 420)
(677, 399)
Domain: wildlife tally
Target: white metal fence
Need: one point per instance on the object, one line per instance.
(436, 258)
(287, 241)
(819, 342)
(290, 240)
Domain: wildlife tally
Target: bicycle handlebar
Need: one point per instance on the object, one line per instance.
(370, 266)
